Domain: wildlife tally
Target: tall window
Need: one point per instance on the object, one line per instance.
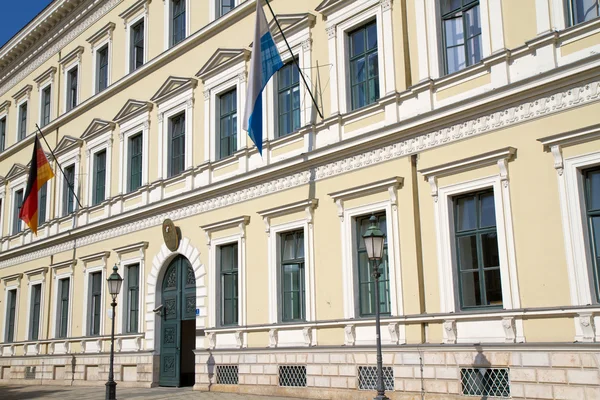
(72, 78)
(135, 161)
(133, 298)
(34, 322)
(137, 45)
(95, 302)
(178, 28)
(592, 205)
(99, 177)
(288, 98)
(42, 200)
(366, 281)
(62, 326)
(461, 21)
(68, 189)
(11, 311)
(17, 204)
(228, 268)
(228, 123)
(364, 66)
(102, 68)
(46, 98)
(292, 276)
(224, 6)
(582, 10)
(2, 134)
(23, 121)
(478, 261)
(177, 144)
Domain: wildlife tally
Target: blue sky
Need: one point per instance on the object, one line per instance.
(15, 15)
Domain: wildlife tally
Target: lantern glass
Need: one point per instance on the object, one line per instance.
(114, 282)
(374, 240)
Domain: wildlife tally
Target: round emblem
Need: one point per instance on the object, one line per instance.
(170, 235)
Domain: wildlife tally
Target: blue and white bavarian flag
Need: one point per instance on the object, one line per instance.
(265, 61)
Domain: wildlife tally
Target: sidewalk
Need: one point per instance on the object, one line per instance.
(98, 393)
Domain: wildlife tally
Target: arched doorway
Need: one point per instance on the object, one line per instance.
(178, 327)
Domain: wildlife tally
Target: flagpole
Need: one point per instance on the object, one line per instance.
(57, 164)
(295, 61)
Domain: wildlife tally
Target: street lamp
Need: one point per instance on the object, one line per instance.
(114, 287)
(374, 241)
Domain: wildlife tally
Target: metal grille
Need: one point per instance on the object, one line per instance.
(488, 382)
(367, 378)
(292, 375)
(29, 372)
(227, 375)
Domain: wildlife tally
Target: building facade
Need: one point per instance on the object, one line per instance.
(469, 128)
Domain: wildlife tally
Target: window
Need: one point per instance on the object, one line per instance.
(178, 28)
(95, 302)
(135, 161)
(228, 268)
(292, 276)
(42, 201)
(68, 190)
(17, 204)
(592, 205)
(2, 134)
(478, 261)
(72, 78)
(133, 298)
(99, 193)
(11, 310)
(366, 282)
(224, 6)
(137, 45)
(288, 98)
(582, 10)
(23, 121)
(364, 66)
(102, 68)
(228, 123)
(62, 329)
(177, 144)
(46, 97)
(461, 22)
(34, 322)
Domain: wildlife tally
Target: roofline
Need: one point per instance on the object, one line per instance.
(32, 22)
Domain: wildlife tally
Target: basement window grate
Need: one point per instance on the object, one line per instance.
(30, 372)
(292, 375)
(367, 378)
(227, 375)
(487, 382)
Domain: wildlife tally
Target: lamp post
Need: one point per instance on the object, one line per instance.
(114, 287)
(374, 241)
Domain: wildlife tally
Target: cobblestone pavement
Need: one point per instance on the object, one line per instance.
(98, 393)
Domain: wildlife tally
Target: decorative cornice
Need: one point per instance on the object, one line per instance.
(469, 163)
(16, 171)
(12, 277)
(291, 23)
(45, 76)
(36, 271)
(289, 208)
(74, 54)
(66, 144)
(571, 137)
(369, 188)
(132, 108)
(103, 255)
(222, 59)
(173, 86)
(239, 222)
(23, 93)
(131, 248)
(97, 127)
(5, 106)
(134, 9)
(105, 31)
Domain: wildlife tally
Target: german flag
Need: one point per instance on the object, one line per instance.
(39, 173)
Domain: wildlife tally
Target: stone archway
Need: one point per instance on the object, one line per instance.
(159, 265)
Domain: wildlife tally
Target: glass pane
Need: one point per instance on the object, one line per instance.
(364, 268)
(585, 10)
(373, 65)
(593, 179)
(466, 214)
(595, 222)
(367, 296)
(357, 42)
(284, 77)
(455, 59)
(285, 102)
(373, 91)
(493, 287)
(300, 245)
(371, 36)
(473, 22)
(448, 6)
(467, 252)
(487, 210)
(454, 32)
(291, 280)
(489, 247)
(288, 247)
(474, 50)
(358, 96)
(470, 289)
(296, 98)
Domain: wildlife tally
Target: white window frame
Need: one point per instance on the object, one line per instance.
(99, 262)
(94, 146)
(43, 87)
(126, 256)
(214, 5)
(18, 119)
(72, 157)
(68, 274)
(430, 32)
(95, 48)
(16, 185)
(136, 13)
(344, 20)
(168, 19)
(2, 206)
(36, 277)
(139, 124)
(67, 70)
(4, 109)
(11, 283)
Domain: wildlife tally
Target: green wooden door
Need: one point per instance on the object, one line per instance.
(179, 303)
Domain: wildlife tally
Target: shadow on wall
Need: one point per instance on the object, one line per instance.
(476, 381)
(210, 367)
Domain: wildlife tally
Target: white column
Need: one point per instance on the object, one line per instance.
(332, 38)
(161, 144)
(207, 131)
(388, 46)
(496, 24)
(542, 16)
(422, 48)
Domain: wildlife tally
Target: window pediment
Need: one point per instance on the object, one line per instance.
(66, 144)
(291, 23)
(131, 109)
(4, 107)
(105, 32)
(23, 93)
(134, 9)
(16, 171)
(72, 56)
(173, 86)
(221, 60)
(47, 75)
(329, 6)
(97, 127)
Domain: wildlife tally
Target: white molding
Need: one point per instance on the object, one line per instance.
(390, 185)
(99, 261)
(15, 186)
(12, 282)
(168, 19)
(212, 8)
(18, 104)
(96, 46)
(72, 157)
(103, 142)
(129, 22)
(65, 72)
(129, 255)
